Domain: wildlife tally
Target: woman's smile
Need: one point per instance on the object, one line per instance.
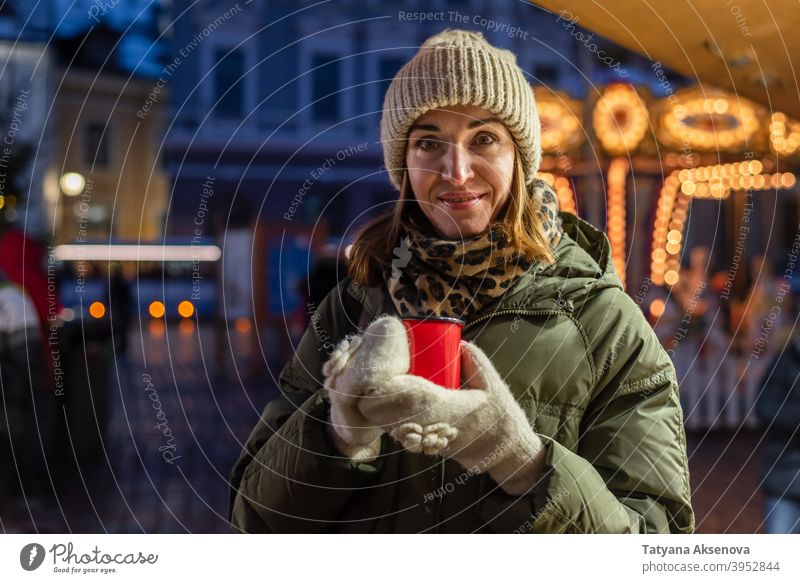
(461, 201)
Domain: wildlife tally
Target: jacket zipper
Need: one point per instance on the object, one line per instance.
(509, 311)
(541, 312)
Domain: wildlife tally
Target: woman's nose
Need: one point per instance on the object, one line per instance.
(457, 165)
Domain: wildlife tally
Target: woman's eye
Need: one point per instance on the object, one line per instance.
(485, 139)
(427, 144)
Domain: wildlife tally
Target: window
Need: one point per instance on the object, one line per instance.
(97, 152)
(229, 76)
(325, 84)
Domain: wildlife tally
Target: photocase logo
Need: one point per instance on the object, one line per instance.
(31, 556)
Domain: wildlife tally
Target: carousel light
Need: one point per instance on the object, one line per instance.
(617, 174)
(715, 182)
(733, 121)
(620, 119)
(657, 308)
(566, 199)
(659, 255)
(560, 119)
(671, 277)
(784, 134)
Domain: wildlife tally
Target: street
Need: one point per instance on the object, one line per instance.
(179, 417)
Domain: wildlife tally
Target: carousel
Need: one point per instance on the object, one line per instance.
(676, 180)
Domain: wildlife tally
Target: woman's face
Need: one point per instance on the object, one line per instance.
(460, 163)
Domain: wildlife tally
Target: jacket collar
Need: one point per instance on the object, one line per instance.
(583, 263)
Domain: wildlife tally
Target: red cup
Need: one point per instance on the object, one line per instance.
(434, 345)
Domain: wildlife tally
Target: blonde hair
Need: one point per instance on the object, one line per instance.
(372, 252)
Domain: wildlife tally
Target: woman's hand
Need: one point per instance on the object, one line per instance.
(352, 434)
(484, 427)
(360, 364)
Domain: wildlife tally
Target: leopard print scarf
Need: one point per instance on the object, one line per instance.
(441, 278)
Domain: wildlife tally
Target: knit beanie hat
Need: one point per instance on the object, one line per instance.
(458, 67)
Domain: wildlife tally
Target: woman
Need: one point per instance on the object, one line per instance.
(568, 420)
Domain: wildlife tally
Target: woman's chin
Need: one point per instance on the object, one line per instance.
(460, 229)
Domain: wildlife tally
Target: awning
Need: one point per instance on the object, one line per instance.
(748, 47)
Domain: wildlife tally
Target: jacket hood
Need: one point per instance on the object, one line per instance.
(583, 263)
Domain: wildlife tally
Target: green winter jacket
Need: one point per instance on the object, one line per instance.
(581, 360)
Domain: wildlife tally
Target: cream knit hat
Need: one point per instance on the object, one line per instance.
(458, 67)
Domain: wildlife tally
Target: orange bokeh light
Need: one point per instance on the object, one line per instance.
(97, 310)
(186, 309)
(156, 309)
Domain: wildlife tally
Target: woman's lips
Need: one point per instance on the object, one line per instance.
(461, 201)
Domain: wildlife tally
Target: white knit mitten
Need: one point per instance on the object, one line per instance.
(358, 364)
(352, 434)
(492, 432)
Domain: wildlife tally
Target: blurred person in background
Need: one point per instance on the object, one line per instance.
(329, 269)
(684, 329)
(568, 419)
(22, 384)
(120, 304)
(760, 322)
(725, 357)
(778, 409)
(23, 261)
